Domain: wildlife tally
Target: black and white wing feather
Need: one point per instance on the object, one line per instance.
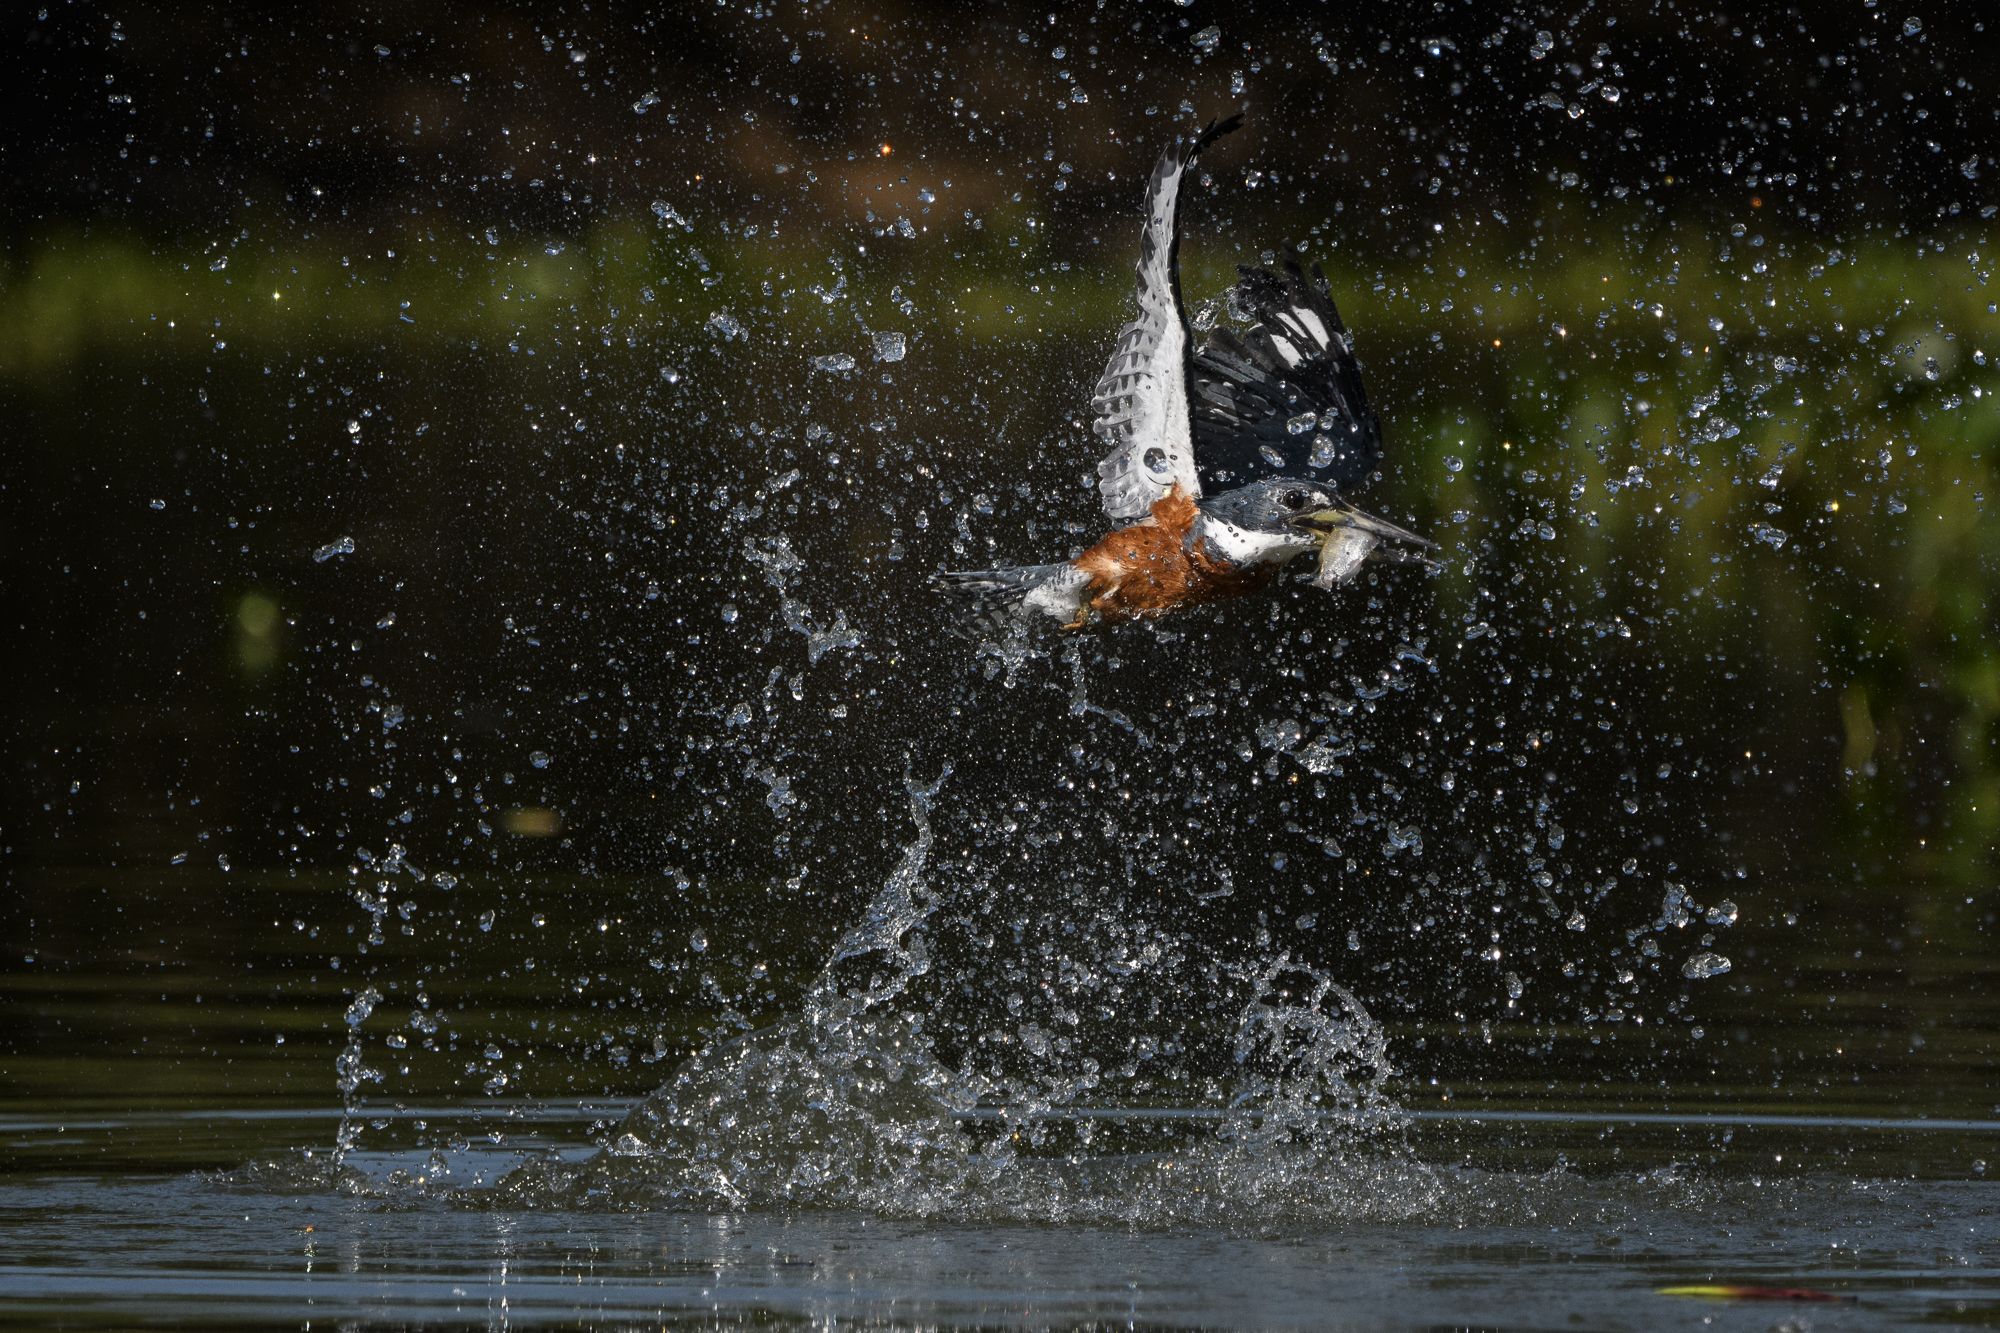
(1285, 398)
(1141, 403)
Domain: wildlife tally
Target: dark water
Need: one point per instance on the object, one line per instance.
(1496, 1249)
(169, 1164)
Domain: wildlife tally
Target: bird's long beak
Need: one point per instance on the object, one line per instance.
(1327, 521)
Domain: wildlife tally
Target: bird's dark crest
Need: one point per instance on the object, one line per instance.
(1246, 391)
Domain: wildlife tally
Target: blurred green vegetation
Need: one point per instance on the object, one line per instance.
(1737, 439)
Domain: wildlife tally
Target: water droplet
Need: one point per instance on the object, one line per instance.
(159, 504)
(1715, 322)
(1705, 964)
(925, 196)
(1280, 734)
(837, 363)
(1453, 463)
(223, 861)
(364, 1005)
(888, 347)
(486, 919)
(353, 428)
(342, 546)
(698, 941)
(540, 759)
(1270, 455)
(1354, 941)
(1207, 39)
(729, 613)
(1912, 26)
(1576, 921)
(553, 248)
(221, 262)
(1722, 914)
(1301, 423)
(646, 103)
(1764, 532)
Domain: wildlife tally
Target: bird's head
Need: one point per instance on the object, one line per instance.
(1280, 512)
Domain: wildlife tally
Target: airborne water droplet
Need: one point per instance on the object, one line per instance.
(1704, 965)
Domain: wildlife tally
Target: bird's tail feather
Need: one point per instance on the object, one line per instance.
(993, 602)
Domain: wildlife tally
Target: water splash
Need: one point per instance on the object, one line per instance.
(857, 1103)
(350, 1073)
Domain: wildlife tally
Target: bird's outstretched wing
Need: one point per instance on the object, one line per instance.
(1285, 398)
(1141, 403)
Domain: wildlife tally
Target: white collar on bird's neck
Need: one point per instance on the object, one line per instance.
(1223, 540)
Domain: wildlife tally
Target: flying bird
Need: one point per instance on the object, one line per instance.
(1232, 458)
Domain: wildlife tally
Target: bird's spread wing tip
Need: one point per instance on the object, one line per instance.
(1141, 402)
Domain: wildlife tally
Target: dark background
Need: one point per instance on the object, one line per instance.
(550, 507)
(164, 118)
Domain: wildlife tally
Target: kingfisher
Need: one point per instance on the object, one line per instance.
(1232, 458)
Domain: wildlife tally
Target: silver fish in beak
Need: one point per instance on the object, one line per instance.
(1350, 537)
